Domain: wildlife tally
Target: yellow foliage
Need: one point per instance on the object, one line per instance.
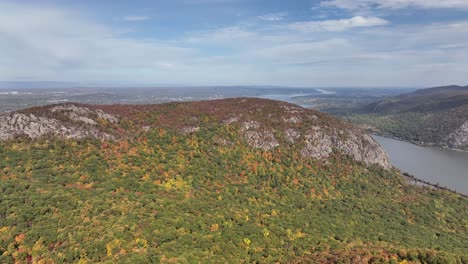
(114, 244)
(140, 245)
(141, 242)
(50, 261)
(146, 177)
(38, 245)
(214, 227)
(299, 234)
(176, 184)
(247, 241)
(82, 261)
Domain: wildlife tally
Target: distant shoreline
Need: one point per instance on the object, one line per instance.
(373, 133)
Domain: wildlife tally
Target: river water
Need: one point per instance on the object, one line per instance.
(448, 168)
(286, 97)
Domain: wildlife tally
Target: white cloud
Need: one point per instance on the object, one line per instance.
(222, 35)
(136, 18)
(394, 4)
(274, 16)
(54, 44)
(338, 24)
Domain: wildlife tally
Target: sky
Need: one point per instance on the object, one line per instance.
(300, 43)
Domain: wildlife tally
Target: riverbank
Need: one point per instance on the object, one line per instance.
(420, 182)
(420, 144)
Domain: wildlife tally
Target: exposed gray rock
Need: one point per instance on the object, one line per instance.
(231, 120)
(365, 148)
(262, 139)
(291, 135)
(320, 144)
(250, 125)
(16, 124)
(292, 109)
(258, 137)
(83, 114)
(34, 126)
(188, 130)
(292, 119)
(458, 139)
(108, 117)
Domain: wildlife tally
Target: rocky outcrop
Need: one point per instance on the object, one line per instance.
(458, 139)
(258, 136)
(38, 125)
(83, 114)
(320, 143)
(318, 140)
(189, 129)
(18, 124)
(262, 139)
(291, 135)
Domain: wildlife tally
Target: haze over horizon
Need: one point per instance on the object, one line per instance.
(328, 43)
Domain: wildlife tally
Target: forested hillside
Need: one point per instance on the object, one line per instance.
(436, 116)
(226, 181)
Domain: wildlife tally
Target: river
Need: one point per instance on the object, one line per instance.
(286, 97)
(448, 168)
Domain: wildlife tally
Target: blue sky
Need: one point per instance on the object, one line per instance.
(236, 42)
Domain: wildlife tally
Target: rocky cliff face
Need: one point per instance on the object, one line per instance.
(263, 124)
(458, 139)
(317, 135)
(63, 121)
(360, 147)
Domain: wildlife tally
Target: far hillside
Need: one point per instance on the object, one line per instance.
(429, 100)
(436, 116)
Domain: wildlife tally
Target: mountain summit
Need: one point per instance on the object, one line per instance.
(264, 124)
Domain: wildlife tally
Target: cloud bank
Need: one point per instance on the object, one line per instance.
(338, 24)
(39, 43)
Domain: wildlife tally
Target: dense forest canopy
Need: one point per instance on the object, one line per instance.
(172, 195)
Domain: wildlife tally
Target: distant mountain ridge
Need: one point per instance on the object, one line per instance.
(431, 99)
(434, 116)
